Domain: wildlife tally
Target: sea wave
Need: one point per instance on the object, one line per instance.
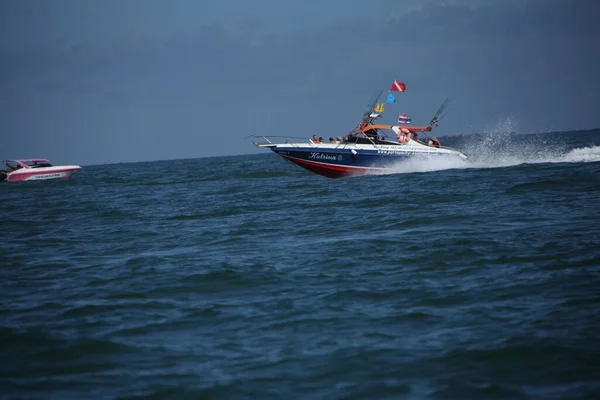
(247, 277)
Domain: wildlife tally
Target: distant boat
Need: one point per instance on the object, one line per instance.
(33, 169)
(371, 148)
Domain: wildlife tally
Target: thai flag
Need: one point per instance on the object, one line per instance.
(404, 119)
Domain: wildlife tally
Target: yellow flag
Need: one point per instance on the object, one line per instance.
(380, 107)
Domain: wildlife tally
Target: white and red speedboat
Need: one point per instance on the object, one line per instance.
(371, 148)
(35, 169)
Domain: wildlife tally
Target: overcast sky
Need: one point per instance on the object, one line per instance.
(93, 82)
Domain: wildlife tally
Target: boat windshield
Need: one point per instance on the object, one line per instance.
(37, 163)
(12, 165)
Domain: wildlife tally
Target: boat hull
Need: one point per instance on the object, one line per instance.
(344, 161)
(38, 174)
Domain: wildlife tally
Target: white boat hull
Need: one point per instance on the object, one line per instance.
(44, 173)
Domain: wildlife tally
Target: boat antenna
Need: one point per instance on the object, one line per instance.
(373, 103)
(366, 114)
(438, 115)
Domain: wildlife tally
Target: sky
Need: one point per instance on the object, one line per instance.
(100, 82)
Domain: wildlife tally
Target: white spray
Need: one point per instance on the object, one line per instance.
(501, 146)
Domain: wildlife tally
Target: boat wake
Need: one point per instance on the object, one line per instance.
(496, 160)
(583, 155)
(502, 147)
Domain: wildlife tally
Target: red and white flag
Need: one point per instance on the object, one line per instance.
(398, 86)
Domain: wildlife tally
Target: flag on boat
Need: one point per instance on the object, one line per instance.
(404, 119)
(390, 99)
(398, 86)
(379, 108)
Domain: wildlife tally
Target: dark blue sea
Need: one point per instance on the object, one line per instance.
(248, 277)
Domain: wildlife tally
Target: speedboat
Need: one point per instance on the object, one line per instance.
(35, 169)
(370, 149)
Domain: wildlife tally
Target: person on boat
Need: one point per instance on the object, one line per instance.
(339, 139)
(403, 135)
(434, 142)
(321, 140)
(332, 141)
(314, 139)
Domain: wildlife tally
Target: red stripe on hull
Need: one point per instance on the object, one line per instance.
(23, 176)
(329, 170)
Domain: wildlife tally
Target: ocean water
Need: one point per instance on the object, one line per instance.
(249, 278)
